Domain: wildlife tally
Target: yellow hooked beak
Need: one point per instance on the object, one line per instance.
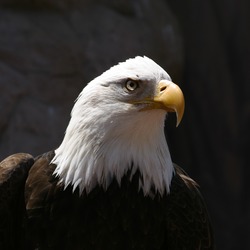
(168, 97)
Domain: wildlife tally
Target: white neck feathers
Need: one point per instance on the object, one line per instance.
(104, 148)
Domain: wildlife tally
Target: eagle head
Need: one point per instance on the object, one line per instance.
(117, 124)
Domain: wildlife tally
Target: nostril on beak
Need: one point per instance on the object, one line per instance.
(162, 88)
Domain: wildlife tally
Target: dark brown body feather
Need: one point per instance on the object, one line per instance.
(118, 218)
(13, 173)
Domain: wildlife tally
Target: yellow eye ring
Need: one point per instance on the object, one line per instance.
(131, 85)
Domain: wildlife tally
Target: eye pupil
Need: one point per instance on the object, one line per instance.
(131, 85)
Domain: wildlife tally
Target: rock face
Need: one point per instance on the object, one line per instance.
(49, 50)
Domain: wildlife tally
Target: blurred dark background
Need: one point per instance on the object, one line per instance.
(50, 49)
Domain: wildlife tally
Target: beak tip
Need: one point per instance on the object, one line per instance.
(179, 114)
(178, 121)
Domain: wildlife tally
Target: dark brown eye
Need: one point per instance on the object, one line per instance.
(131, 85)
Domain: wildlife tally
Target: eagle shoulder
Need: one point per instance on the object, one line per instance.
(13, 173)
(188, 224)
(40, 181)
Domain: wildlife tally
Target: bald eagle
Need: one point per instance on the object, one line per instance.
(111, 184)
